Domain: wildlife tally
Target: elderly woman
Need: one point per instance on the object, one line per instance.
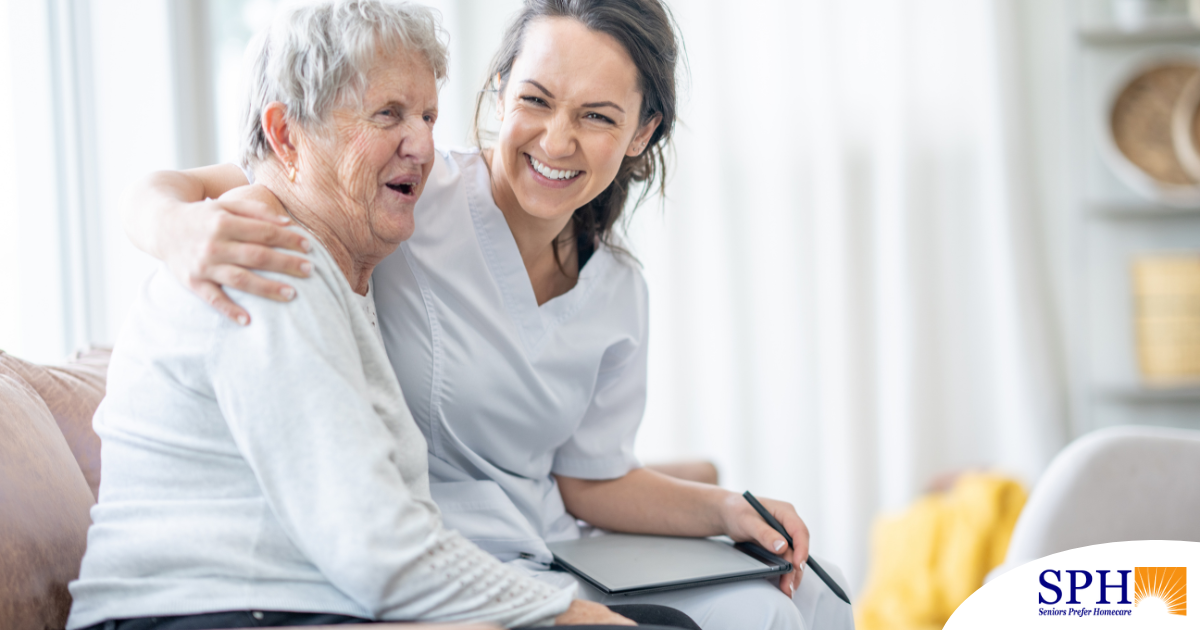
(272, 474)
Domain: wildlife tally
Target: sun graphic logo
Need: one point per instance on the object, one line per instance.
(1160, 590)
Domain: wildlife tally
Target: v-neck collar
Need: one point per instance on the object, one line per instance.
(535, 323)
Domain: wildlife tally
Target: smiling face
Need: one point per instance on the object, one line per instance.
(569, 115)
(369, 164)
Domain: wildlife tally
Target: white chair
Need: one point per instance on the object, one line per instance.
(1112, 485)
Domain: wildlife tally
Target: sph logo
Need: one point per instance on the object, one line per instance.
(1162, 587)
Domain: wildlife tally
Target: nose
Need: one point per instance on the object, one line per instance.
(559, 139)
(417, 144)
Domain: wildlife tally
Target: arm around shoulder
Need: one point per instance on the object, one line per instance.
(210, 238)
(149, 205)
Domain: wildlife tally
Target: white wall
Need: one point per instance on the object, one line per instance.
(476, 28)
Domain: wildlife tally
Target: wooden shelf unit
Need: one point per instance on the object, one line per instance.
(1110, 226)
(1182, 32)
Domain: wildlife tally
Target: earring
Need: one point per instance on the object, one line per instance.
(291, 172)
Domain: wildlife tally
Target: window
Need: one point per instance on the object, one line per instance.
(233, 23)
(86, 107)
(10, 321)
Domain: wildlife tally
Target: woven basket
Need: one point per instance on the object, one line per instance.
(1147, 137)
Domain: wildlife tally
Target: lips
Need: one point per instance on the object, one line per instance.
(405, 185)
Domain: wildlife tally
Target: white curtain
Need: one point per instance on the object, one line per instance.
(851, 284)
(851, 278)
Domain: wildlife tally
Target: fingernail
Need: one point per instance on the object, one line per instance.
(306, 268)
(779, 545)
(284, 220)
(287, 293)
(306, 245)
(243, 320)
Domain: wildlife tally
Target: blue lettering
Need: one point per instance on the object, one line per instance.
(1057, 591)
(1104, 586)
(1075, 586)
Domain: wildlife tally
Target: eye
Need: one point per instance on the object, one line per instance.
(600, 117)
(533, 99)
(431, 118)
(391, 111)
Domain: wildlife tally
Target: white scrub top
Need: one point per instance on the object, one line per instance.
(508, 392)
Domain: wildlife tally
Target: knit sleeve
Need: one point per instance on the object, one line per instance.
(294, 394)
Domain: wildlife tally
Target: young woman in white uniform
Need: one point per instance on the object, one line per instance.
(517, 329)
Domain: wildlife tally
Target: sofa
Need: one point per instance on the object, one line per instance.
(50, 478)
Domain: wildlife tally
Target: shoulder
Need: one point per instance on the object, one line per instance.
(619, 290)
(325, 289)
(465, 158)
(457, 182)
(622, 273)
(166, 324)
(451, 164)
(452, 170)
(319, 324)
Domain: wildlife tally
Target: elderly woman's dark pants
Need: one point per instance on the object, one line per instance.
(647, 616)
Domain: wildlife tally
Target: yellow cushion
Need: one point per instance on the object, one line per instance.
(928, 559)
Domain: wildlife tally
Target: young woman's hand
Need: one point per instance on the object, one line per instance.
(217, 242)
(742, 523)
(585, 613)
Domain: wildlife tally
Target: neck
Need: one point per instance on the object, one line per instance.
(320, 217)
(535, 237)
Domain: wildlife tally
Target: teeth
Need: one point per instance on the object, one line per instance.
(550, 173)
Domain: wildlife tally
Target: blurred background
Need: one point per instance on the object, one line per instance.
(901, 239)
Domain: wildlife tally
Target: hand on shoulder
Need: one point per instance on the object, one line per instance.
(222, 242)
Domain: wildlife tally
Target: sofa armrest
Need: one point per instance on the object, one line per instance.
(699, 470)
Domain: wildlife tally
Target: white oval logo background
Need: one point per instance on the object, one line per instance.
(1012, 599)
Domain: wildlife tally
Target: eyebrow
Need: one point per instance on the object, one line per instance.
(599, 104)
(605, 104)
(390, 103)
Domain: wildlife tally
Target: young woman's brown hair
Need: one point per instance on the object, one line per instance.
(646, 29)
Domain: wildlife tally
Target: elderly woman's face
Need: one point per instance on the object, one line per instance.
(379, 152)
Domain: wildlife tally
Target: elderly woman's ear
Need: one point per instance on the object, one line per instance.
(278, 130)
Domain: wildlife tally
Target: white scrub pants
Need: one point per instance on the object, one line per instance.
(751, 604)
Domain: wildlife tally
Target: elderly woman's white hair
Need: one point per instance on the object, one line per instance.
(317, 55)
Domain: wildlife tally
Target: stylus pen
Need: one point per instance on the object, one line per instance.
(762, 511)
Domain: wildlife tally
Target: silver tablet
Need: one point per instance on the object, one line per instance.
(628, 564)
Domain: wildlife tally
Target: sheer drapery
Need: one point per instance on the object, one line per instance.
(850, 283)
